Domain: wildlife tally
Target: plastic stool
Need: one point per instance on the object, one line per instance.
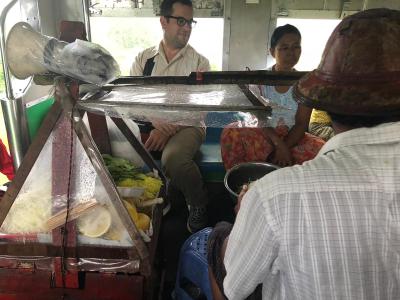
(192, 280)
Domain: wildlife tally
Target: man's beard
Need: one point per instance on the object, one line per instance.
(179, 43)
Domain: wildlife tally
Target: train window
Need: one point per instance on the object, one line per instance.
(210, 45)
(315, 33)
(125, 37)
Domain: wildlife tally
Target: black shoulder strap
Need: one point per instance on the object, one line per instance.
(148, 67)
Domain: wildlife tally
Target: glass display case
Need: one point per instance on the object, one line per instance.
(64, 219)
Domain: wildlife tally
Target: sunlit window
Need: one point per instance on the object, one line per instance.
(125, 37)
(315, 33)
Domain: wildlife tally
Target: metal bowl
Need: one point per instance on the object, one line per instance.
(245, 173)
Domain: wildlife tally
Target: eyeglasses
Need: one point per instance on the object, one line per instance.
(181, 21)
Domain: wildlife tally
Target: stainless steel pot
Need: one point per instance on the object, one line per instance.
(245, 173)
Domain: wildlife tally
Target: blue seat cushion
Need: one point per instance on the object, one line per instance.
(209, 157)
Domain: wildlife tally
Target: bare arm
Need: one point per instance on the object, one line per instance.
(282, 156)
(296, 133)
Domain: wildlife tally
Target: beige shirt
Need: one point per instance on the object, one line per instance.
(187, 60)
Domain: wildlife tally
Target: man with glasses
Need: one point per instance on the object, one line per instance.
(175, 57)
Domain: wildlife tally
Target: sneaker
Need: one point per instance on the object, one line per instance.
(197, 218)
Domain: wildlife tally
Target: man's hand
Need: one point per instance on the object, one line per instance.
(240, 197)
(167, 129)
(156, 141)
(282, 156)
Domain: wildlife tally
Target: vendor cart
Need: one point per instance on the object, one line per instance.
(49, 246)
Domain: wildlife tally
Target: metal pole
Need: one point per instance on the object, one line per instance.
(6, 9)
(86, 19)
(226, 36)
(13, 108)
(365, 5)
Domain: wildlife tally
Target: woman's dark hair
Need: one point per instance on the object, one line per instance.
(166, 6)
(280, 31)
(362, 121)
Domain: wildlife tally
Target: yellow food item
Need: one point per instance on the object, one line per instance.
(114, 233)
(132, 210)
(143, 222)
(127, 182)
(95, 222)
(150, 184)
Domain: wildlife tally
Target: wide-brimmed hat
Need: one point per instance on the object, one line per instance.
(359, 73)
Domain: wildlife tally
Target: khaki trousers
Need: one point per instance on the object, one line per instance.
(179, 166)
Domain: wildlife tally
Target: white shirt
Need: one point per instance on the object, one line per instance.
(284, 107)
(187, 60)
(328, 229)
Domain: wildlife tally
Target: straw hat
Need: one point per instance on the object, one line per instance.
(359, 73)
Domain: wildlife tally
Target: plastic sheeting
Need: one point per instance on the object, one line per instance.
(65, 203)
(29, 53)
(214, 105)
(42, 203)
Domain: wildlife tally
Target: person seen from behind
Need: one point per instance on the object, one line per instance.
(330, 228)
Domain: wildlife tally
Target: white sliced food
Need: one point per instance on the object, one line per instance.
(95, 222)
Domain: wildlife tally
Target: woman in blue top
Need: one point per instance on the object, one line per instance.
(285, 142)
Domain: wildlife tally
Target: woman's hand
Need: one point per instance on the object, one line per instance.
(282, 156)
(244, 190)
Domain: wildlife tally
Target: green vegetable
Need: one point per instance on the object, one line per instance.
(121, 168)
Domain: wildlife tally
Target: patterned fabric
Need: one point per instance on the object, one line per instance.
(328, 229)
(240, 145)
(324, 131)
(320, 116)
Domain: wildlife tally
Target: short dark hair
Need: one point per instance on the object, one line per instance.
(354, 121)
(280, 31)
(166, 6)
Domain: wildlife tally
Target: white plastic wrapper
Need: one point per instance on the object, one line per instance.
(120, 147)
(29, 52)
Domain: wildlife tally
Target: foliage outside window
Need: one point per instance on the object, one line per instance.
(125, 37)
